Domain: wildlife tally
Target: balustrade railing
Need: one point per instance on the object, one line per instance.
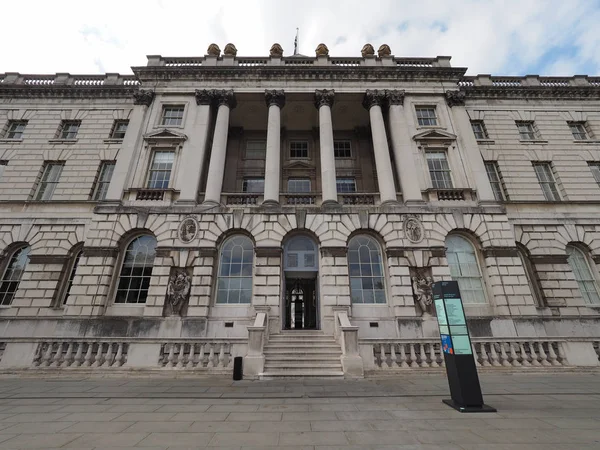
(414, 62)
(346, 62)
(251, 62)
(450, 194)
(182, 62)
(208, 355)
(38, 80)
(73, 354)
(299, 61)
(555, 82)
(299, 199)
(150, 194)
(356, 198)
(242, 198)
(88, 80)
(506, 82)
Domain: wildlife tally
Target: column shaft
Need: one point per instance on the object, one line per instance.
(275, 101)
(323, 102)
(216, 168)
(383, 164)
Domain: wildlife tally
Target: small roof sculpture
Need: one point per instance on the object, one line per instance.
(322, 50)
(367, 50)
(276, 51)
(213, 50)
(384, 50)
(230, 50)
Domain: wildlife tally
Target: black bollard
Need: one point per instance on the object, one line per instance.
(237, 368)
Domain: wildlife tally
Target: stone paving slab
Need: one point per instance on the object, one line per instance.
(555, 411)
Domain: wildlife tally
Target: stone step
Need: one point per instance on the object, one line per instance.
(271, 374)
(300, 337)
(287, 345)
(305, 367)
(295, 354)
(311, 360)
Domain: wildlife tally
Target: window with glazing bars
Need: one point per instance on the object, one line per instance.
(426, 116)
(172, 116)
(160, 170)
(296, 185)
(298, 149)
(256, 149)
(342, 149)
(119, 129)
(526, 131)
(582, 271)
(71, 277)
(102, 182)
(50, 176)
(16, 128)
(136, 270)
(439, 170)
(345, 185)
(3, 165)
(543, 171)
(578, 130)
(493, 173)
(254, 185)
(69, 129)
(595, 168)
(479, 130)
(12, 275)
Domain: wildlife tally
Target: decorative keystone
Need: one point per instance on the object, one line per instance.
(143, 97)
(275, 97)
(324, 97)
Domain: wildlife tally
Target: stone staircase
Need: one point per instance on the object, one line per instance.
(302, 353)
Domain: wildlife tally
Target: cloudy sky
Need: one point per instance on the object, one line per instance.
(502, 37)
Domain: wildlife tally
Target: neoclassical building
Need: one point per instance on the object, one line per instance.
(294, 211)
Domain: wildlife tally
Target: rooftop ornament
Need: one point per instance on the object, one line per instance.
(322, 50)
(367, 50)
(230, 50)
(384, 51)
(213, 50)
(276, 51)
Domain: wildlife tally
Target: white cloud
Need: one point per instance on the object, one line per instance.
(487, 36)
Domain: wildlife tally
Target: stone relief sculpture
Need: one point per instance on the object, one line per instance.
(213, 50)
(421, 283)
(367, 50)
(178, 291)
(188, 229)
(143, 97)
(230, 50)
(384, 50)
(322, 50)
(276, 51)
(413, 229)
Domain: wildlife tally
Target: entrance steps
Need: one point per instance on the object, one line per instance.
(302, 353)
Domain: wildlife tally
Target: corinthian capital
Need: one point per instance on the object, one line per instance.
(143, 97)
(225, 97)
(455, 98)
(395, 96)
(373, 97)
(203, 97)
(275, 97)
(324, 97)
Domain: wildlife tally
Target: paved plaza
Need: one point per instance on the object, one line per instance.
(62, 410)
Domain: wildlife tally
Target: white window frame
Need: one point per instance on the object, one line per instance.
(248, 181)
(235, 282)
(150, 170)
(449, 181)
(299, 180)
(163, 118)
(14, 128)
(42, 193)
(102, 181)
(595, 169)
(115, 128)
(482, 131)
(495, 177)
(3, 164)
(360, 277)
(9, 278)
(547, 181)
(530, 134)
(462, 278)
(66, 133)
(144, 266)
(579, 131)
(346, 142)
(435, 119)
(293, 141)
(345, 181)
(587, 283)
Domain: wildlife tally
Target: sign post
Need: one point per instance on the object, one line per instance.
(456, 347)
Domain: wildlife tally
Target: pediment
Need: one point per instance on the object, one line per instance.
(299, 165)
(434, 135)
(165, 134)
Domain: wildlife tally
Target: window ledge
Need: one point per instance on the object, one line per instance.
(533, 141)
(431, 127)
(62, 141)
(113, 141)
(11, 141)
(585, 141)
(486, 141)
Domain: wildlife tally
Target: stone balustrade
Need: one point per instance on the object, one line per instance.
(65, 79)
(529, 81)
(73, 354)
(197, 354)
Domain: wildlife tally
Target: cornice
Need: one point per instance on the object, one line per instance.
(533, 92)
(25, 91)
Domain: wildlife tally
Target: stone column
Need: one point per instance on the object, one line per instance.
(324, 102)
(402, 147)
(473, 158)
(214, 183)
(192, 161)
(127, 158)
(387, 190)
(275, 101)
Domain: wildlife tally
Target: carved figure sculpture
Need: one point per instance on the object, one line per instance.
(367, 50)
(213, 50)
(322, 50)
(384, 50)
(230, 50)
(178, 290)
(276, 51)
(422, 291)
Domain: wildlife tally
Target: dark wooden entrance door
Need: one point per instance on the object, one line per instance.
(300, 304)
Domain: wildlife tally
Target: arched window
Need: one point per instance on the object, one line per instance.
(464, 268)
(71, 269)
(366, 271)
(12, 275)
(531, 274)
(580, 266)
(134, 279)
(301, 254)
(234, 283)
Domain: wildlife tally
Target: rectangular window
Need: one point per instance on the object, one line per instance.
(3, 165)
(119, 129)
(160, 170)
(172, 116)
(256, 150)
(526, 131)
(345, 185)
(50, 175)
(426, 116)
(254, 185)
(439, 170)
(69, 129)
(342, 149)
(579, 131)
(543, 171)
(493, 173)
(595, 168)
(479, 130)
(16, 128)
(298, 149)
(296, 185)
(104, 175)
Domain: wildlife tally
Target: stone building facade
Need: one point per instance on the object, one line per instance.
(294, 211)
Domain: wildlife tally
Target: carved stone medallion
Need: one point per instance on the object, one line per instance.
(413, 229)
(188, 230)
